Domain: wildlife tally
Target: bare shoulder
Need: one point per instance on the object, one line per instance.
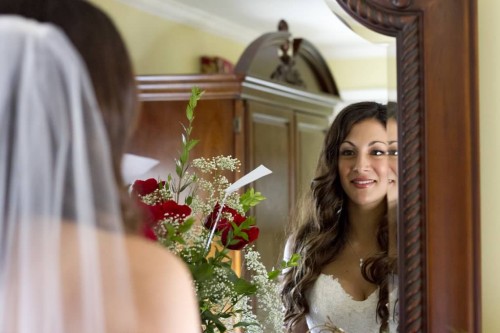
(149, 257)
(162, 286)
(164, 289)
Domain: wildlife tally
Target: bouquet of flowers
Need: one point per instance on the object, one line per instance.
(195, 216)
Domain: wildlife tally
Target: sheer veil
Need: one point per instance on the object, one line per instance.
(63, 263)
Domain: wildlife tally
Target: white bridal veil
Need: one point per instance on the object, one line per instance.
(62, 259)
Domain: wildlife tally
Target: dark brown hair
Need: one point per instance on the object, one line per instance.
(321, 228)
(103, 50)
(98, 41)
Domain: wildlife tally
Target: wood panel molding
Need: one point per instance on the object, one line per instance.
(437, 90)
(178, 87)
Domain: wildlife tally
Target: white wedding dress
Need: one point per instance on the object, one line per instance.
(330, 304)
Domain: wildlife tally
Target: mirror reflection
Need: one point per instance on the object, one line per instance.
(259, 125)
(341, 232)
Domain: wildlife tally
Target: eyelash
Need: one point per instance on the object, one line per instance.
(378, 152)
(374, 152)
(346, 152)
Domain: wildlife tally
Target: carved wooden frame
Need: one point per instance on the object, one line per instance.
(439, 170)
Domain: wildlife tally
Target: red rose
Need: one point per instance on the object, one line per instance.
(175, 211)
(252, 232)
(144, 187)
(155, 213)
(225, 226)
(223, 222)
(148, 221)
(167, 209)
(147, 230)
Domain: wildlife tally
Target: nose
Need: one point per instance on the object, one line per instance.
(362, 163)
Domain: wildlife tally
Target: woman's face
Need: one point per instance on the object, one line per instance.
(363, 163)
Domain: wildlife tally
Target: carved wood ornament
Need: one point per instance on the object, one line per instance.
(439, 173)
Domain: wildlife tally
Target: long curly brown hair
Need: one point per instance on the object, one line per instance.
(320, 228)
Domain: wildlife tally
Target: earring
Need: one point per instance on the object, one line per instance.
(339, 211)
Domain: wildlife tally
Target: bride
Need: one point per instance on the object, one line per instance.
(343, 282)
(66, 263)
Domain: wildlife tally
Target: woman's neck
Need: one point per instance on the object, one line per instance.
(364, 222)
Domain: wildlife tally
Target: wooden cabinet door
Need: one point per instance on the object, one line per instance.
(310, 134)
(158, 134)
(270, 142)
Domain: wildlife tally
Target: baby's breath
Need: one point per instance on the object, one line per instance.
(225, 299)
(156, 196)
(214, 278)
(216, 164)
(268, 294)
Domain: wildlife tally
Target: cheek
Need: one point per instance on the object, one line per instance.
(343, 168)
(343, 172)
(393, 165)
(382, 168)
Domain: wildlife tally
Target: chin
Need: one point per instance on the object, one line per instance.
(369, 203)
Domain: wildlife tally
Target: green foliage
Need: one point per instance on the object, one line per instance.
(292, 262)
(250, 198)
(223, 296)
(182, 164)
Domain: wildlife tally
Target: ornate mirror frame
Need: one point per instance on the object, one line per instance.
(439, 205)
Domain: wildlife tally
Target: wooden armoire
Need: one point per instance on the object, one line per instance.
(273, 110)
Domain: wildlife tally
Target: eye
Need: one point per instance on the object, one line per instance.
(393, 152)
(347, 152)
(378, 152)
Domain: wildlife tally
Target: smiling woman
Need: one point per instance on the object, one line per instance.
(438, 177)
(343, 231)
(363, 163)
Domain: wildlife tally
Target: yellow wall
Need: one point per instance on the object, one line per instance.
(160, 46)
(360, 73)
(489, 99)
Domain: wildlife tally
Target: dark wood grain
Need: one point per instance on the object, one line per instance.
(439, 163)
(163, 103)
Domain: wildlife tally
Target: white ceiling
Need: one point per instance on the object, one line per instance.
(245, 20)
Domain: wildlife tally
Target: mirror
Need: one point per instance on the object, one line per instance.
(392, 132)
(436, 263)
(438, 165)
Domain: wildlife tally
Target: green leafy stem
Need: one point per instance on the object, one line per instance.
(182, 163)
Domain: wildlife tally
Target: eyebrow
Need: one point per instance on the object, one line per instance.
(393, 141)
(369, 144)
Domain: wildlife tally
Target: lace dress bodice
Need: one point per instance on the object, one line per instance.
(330, 303)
